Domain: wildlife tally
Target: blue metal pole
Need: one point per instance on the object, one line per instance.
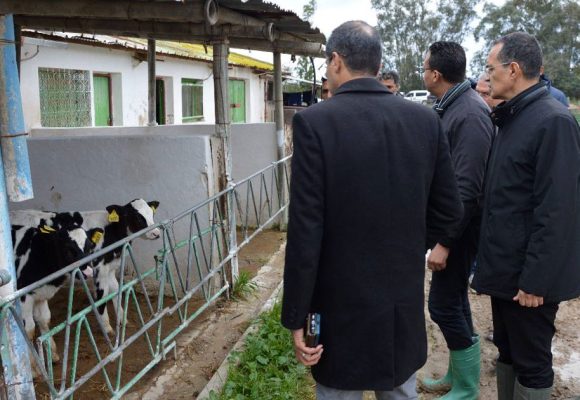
(12, 130)
(15, 182)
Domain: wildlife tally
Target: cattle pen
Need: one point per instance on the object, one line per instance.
(195, 262)
(166, 288)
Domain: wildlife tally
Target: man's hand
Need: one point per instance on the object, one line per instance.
(437, 259)
(528, 300)
(306, 355)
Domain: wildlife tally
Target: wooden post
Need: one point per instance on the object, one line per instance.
(221, 147)
(151, 82)
(280, 137)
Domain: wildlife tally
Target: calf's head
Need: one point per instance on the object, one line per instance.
(71, 244)
(135, 216)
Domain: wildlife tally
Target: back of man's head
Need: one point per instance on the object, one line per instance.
(449, 59)
(524, 49)
(393, 75)
(359, 44)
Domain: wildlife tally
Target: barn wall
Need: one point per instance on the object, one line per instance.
(90, 168)
(129, 84)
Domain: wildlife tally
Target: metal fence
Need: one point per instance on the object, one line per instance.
(195, 265)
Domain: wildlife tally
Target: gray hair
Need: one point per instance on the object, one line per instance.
(524, 49)
(359, 44)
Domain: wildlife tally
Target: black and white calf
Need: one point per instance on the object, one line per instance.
(39, 252)
(117, 222)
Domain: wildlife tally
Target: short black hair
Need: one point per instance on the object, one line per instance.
(359, 44)
(449, 59)
(523, 48)
(394, 75)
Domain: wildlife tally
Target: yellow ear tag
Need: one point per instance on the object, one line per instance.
(46, 229)
(97, 236)
(113, 216)
(154, 209)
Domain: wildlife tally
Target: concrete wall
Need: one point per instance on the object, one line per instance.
(129, 81)
(90, 168)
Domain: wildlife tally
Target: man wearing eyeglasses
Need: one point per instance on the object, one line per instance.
(466, 122)
(529, 251)
(371, 173)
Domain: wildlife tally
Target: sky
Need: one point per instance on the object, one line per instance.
(331, 13)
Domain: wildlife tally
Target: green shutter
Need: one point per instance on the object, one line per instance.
(191, 100)
(237, 89)
(102, 97)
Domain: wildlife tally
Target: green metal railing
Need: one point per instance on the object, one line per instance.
(192, 269)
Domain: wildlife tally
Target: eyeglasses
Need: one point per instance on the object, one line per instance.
(423, 69)
(489, 68)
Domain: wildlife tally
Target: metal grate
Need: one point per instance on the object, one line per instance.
(65, 97)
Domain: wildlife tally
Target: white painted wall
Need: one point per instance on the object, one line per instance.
(132, 74)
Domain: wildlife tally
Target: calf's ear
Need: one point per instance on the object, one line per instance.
(77, 218)
(96, 235)
(154, 205)
(115, 212)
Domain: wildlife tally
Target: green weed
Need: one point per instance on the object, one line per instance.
(243, 287)
(267, 368)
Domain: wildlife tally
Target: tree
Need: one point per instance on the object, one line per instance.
(556, 25)
(304, 68)
(408, 27)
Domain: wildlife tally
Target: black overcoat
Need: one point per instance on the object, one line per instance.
(370, 172)
(530, 232)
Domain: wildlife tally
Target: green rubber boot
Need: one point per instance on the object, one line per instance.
(439, 385)
(525, 393)
(506, 379)
(466, 366)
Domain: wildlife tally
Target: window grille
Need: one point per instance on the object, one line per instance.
(65, 97)
(191, 100)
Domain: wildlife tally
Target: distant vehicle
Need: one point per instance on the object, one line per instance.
(418, 96)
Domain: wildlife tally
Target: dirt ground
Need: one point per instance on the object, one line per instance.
(209, 354)
(566, 349)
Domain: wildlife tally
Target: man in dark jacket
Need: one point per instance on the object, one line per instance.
(371, 175)
(466, 122)
(529, 251)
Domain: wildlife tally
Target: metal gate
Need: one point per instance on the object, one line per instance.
(188, 274)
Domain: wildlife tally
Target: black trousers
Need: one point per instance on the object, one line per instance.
(448, 301)
(523, 336)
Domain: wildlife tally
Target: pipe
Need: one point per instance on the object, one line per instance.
(280, 136)
(12, 130)
(15, 183)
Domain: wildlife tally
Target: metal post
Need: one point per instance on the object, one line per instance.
(151, 82)
(15, 183)
(280, 137)
(223, 141)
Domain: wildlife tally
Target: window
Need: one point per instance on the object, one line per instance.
(65, 97)
(191, 100)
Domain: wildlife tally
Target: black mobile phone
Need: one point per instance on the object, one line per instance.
(312, 329)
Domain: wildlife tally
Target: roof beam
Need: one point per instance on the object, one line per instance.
(196, 11)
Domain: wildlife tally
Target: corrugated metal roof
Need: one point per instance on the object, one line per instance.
(182, 50)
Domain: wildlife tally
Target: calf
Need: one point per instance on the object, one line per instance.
(117, 222)
(40, 252)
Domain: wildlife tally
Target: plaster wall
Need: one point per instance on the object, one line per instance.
(129, 81)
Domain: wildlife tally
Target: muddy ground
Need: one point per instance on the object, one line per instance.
(208, 340)
(208, 353)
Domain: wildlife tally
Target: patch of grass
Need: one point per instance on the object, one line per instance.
(576, 113)
(267, 368)
(243, 287)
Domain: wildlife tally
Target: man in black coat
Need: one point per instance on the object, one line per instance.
(371, 176)
(529, 251)
(465, 119)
